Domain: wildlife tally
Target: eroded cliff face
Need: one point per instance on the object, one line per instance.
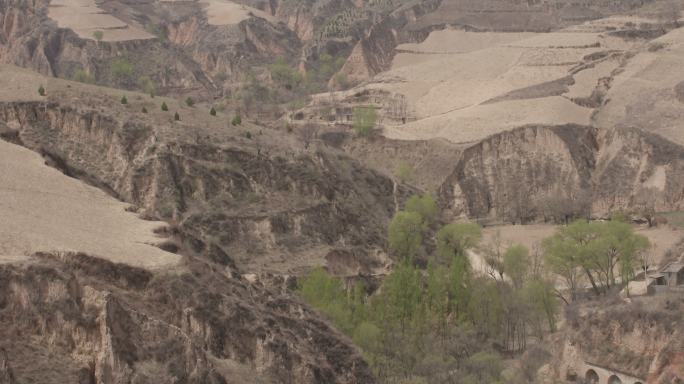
(29, 39)
(250, 200)
(641, 339)
(375, 50)
(73, 318)
(511, 175)
(226, 52)
(632, 162)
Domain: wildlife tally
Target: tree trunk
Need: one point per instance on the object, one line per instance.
(593, 283)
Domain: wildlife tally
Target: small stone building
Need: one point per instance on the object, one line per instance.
(674, 274)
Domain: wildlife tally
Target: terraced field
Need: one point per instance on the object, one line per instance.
(84, 17)
(464, 86)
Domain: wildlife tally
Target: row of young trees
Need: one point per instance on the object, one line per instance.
(442, 323)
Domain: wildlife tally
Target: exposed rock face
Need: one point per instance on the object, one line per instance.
(225, 52)
(530, 161)
(307, 18)
(104, 323)
(30, 40)
(374, 51)
(641, 339)
(514, 171)
(193, 56)
(632, 161)
(250, 203)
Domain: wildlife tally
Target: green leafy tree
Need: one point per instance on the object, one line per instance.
(598, 249)
(459, 282)
(401, 295)
(364, 119)
(319, 289)
(237, 120)
(147, 85)
(425, 206)
(124, 100)
(485, 307)
(83, 77)
(284, 75)
(405, 235)
(542, 299)
(437, 295)
(516, 263)
(346, 309)
(404, 172)
(368, 337)
(453, 240)
(98, 35)
(615, 247)
(562, 257)
(121, 70)
(484, 367)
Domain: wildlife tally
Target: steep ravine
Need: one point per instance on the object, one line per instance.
(202, 322)
(250, 204)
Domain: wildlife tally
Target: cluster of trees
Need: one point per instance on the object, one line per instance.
(440, 323)
(434, 320)
(604, 253)
(315, 80)
(122, 71)
(364, 119)
(290, 86)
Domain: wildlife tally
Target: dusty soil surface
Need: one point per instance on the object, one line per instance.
(44, 210)
(17, 84)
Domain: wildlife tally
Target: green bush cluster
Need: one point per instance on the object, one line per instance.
(436, 324)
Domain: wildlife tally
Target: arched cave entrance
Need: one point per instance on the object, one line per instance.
(614, 380)
(591, 377)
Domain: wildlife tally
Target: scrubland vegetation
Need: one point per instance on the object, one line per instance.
(435, 319)
(439, 323)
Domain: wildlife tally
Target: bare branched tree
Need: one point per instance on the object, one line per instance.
(307, 133)
(645, 204)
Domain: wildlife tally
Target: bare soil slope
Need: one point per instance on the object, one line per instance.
(43, 210)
